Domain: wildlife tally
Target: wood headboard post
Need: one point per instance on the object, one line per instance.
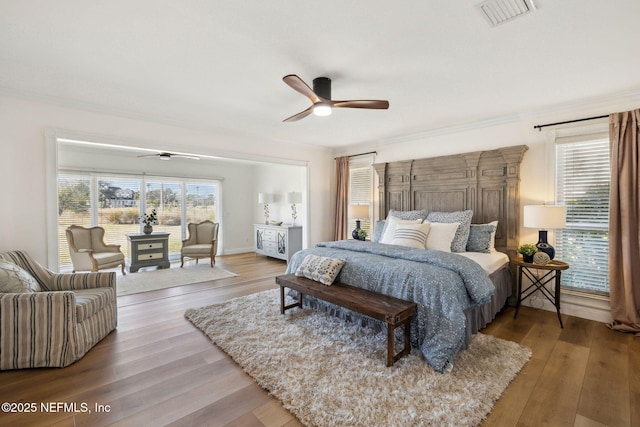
(487, 182)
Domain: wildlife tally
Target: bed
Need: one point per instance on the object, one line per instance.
(457, 293)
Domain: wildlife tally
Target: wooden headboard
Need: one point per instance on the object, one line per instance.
(487, 182)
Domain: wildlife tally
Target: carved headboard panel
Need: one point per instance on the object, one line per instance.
(487, 182)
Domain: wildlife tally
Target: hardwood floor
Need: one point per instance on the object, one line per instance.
(158, 369)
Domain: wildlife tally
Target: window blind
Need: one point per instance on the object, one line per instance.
(583, 177)
(360, 187)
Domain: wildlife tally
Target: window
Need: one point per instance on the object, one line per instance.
(360, 189)
(583, 176)
(115, 202)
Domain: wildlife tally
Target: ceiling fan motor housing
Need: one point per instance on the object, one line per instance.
(322, 87)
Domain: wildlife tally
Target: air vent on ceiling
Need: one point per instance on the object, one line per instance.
(501, 11)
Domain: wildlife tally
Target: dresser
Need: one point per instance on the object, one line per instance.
(147, 250)
(277, 241)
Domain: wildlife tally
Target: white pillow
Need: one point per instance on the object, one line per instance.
(492, 245)
(441, 235)
(411, 235)
(319, 268)
(14, 279)
(390, 228)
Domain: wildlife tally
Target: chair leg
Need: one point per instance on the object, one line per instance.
(181, 261)
(123, 273)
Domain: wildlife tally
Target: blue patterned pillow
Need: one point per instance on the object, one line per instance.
(480, 238)
(459, 243)
(319, 268)
(377, 231)
(418, 214)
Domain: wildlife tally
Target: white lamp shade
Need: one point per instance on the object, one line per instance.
(265, 198)
(544, 216)
(294, 197)
(358, 211)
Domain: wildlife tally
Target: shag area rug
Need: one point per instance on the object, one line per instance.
(328, 372)
(162, 278)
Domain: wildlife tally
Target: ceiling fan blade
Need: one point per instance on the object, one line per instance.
(297, 84)
(300, 115)
(186, 156)
(147, 156)
(362, 103)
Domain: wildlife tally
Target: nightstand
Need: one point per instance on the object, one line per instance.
(553, 270)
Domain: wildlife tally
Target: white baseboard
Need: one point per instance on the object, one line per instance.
(592, 308)
(237, 251)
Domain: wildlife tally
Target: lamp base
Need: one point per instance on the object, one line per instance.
(543, 244)
(356, 232)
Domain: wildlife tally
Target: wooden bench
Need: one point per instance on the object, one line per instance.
(394, 311)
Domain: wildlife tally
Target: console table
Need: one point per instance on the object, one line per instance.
(277, 241)
(148, 250)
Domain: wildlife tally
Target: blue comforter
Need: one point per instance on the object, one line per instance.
(442, 284)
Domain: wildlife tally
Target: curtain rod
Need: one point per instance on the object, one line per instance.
(361, 154)
(539, 127)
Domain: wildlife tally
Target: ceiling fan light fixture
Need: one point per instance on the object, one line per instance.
(322, 109)
(164, 156)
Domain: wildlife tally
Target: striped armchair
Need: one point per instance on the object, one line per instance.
(57, 325)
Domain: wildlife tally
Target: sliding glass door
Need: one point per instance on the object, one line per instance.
(116, 202)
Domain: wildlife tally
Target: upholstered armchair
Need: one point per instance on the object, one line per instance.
(89, 252)
(201, 243)
(49, 319)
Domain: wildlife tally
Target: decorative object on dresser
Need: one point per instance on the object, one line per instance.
(545, 217)
(265, 199)
(293, 198)
(358, 212)
(149, 220)
(277, 241)
(89, 252)
(54, 319)
(148, 250)
(201, 243)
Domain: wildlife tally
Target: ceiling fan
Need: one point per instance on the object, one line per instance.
(167, 156)
(320, 96)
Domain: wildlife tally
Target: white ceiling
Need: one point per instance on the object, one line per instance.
(218, 65)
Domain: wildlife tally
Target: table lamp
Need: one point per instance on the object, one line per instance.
(545, 217)
(265, 198)
(294, 197)
(358, 212)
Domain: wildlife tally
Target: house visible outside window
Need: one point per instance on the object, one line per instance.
(583, 177)
(361, 190)
(115, 202)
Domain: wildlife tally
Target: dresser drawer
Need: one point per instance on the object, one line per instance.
(269, 235)
(154, 245)
(148, 256)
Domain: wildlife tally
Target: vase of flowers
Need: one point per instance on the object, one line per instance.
(527, 250)
(149, 220)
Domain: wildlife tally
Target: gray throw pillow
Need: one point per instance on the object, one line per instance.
(480, 238)
(459, 243)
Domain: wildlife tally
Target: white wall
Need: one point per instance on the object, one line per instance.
(23, 163)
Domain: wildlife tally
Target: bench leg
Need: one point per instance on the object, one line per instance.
(390, 344)
(391, 357)
(283, 307)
